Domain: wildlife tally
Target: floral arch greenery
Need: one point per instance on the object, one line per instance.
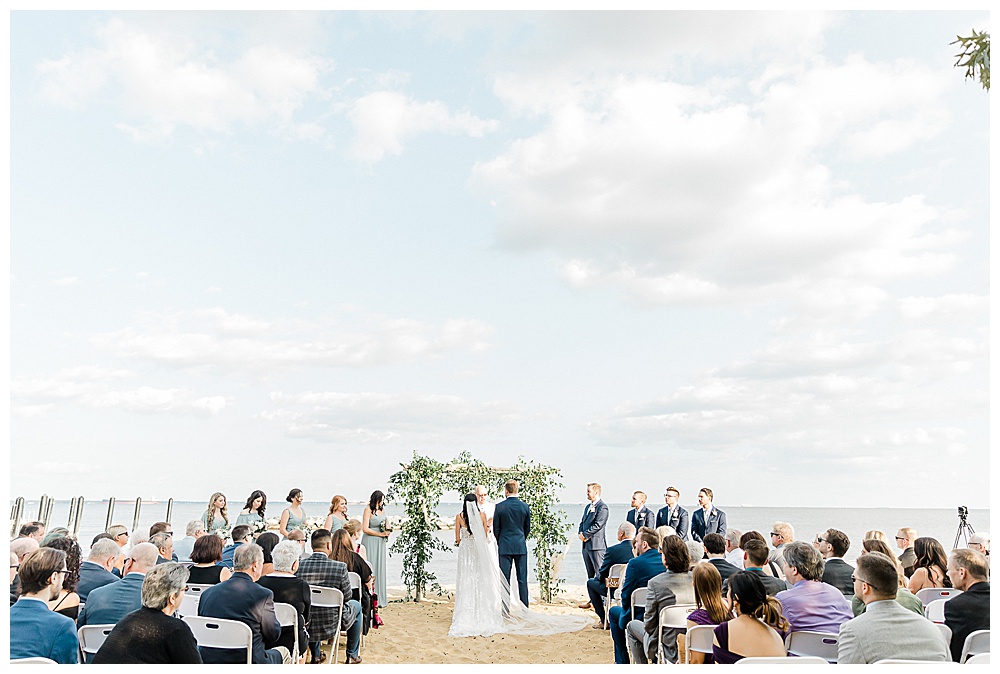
(420, 485)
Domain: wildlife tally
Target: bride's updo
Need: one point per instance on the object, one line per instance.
(465, 506)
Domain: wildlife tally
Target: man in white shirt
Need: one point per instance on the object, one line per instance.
(734, 554)
(486, 507)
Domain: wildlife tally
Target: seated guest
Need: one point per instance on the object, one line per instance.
(343, 551)
(772, 568)
(298, 537)
(100, 536)
(353, 527)
(886, 630)
(930, 567)
(151, 634)
(35, 631)
(781, 533)
(241, 598)
(712, 608)
(319, 569)
(160, 528)
(241, 536)
(810, 604)
(734, 553)
(754, 559)
(67, 602)
(833, 546)
(22, 547)
(646, 564)
(182, 548)
(905, 538)
(969, 571)
(58, 532)
(980, 542)
(110, 603)
(35, 530)
(696, 551)
(164, 543)
(875, 534)
(715, 552)
(757, 630)
(620, 553)
(207, 558)
(95, 572)
(673, 586)
(15, 583)
(905, 598)
(663, 531)
(119, 533)
(289, 589)
(267, 541)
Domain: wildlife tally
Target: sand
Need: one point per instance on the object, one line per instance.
(417, 633)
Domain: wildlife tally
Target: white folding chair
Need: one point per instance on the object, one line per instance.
(698, 640)
(899, 661)
(221, 633)
(935, 610)
(979, 659)
(288, 616)
(196, 589)
(945, 632)
(356, 585)
(616, 571)
(778, 660)
(671, 617)
(91, 638)
(977, 642)
(33, 661)
(929, 594)
(811, 643)
(189, 604)
(638, 599)
(330, 597)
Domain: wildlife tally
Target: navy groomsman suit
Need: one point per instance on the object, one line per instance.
(678, 520)
(716, 523)
(511, 526)
(642, 517)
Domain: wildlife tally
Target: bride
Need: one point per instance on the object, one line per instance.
(481, 591)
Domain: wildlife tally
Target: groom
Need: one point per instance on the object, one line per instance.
(511, 524)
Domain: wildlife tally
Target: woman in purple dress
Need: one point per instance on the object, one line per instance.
(712, 608)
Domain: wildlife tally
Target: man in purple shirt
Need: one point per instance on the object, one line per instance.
(811, 604)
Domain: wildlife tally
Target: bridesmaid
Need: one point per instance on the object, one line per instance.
(215, 516)
(292, 517)
(375, 540)
(253, 512)
(338, 514)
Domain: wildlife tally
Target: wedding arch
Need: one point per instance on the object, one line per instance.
(420, 485)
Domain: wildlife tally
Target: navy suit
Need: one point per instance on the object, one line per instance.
(108, 604)
(239, 598)
(595, 517)
(596, 589)
(679, 520)
(37, 632)
(511, 526)
(93, 576)
(644, 517)
(716, 524)
(637, 574)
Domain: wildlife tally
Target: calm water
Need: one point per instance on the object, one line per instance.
(940, 523)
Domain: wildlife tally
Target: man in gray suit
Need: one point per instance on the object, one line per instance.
(886, 630)
(110, 603)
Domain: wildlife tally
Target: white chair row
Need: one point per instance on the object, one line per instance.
(929, 594)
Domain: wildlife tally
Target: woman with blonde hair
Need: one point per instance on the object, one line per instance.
(904, 597)
(759, 627)
(216, 516)
(875, 535)
(353, 527)
(337, 517)
(712, 608)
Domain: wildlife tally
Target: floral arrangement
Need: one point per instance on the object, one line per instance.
(311, 524)
(259, 527)
(225, 533)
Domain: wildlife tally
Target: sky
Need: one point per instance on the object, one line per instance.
(742, 250)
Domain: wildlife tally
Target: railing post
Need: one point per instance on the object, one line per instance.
(72, 512)
(41, 507)
(170, 510)
(135, 517)
(48, 511)
(78, 518)
(17, 512)
(111, 512)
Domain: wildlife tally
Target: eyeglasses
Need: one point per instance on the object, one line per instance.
(773, 533)
(900, 538)
(855, 579)
(62, 571)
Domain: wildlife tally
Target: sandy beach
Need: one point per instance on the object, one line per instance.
(418, 634)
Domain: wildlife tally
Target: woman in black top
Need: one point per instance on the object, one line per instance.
(206, 552)
(267, 541)
(289, 589)
(68, 601)
(151, 635)
(343, 551)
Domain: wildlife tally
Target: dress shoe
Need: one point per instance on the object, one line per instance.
(320, 660)
(598, 626)
(587, 605)
(354, 661)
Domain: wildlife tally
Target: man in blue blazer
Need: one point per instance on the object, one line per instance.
(591, 532)
(241, 598)
(617, 554)
(640, 516)
(95, 571)
(707, 519)
(673, 514)
(511, 526)
(645, 565)
(108, 604)
(35, 631)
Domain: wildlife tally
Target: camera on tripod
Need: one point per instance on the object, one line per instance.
(963, 512)
(964, 528)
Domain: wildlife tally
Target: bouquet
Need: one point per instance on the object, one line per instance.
(224, 533)
(259, 527)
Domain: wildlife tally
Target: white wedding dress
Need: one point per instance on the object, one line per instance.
(481, 591)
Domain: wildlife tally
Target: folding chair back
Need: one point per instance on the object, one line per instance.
(330, 597)
(979, 659)
(671, 617)
(289, 617)
(189, 604)
(91, 638)
(196, 589)
(221, 633)
(945, 632)
(977, 642)
(935, 610)
(33, 661)
(638, 599)
(810, 643)
(778, 660)
(613, 593)
(929, 594)
(699, 640)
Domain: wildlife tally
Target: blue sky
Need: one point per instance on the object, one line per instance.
(739, 250)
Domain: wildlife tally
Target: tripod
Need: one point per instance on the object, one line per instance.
(964, 529)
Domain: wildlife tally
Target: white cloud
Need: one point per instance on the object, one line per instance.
(948, 307)
(221, 341)
(382, 417)
(383, 120)
(66, 281)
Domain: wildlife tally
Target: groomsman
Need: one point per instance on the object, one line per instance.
(707, 519)
(595, 517)
(641, 516)
(672, 514)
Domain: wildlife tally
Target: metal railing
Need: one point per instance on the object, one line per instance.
(46, 504)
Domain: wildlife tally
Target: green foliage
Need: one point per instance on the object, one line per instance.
(975, 56)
